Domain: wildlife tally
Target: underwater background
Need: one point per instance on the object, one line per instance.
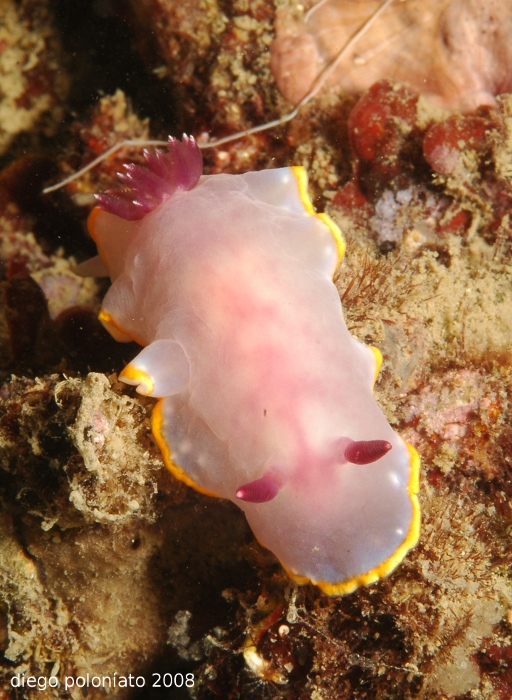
(110, 569)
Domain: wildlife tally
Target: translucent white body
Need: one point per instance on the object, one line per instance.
(229, 285)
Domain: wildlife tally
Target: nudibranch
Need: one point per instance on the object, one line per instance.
(264, 396)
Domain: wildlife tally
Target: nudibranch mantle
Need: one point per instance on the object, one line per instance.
(265, 397)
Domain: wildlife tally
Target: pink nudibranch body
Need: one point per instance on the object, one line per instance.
(265, 397)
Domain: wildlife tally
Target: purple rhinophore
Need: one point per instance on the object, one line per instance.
(261, 490)
(366, 451)
(145, 188)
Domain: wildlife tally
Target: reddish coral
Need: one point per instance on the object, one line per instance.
(415, 172)
(496, 661)
(446, 142)
(383, 135)
(349, 197)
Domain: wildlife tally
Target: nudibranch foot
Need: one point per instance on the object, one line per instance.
(161, 369)
(261, 490)
(94, 267)
(366, 451)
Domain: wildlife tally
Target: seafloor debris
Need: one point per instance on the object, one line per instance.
(33, 79)
(108, 566)
(87, 586)
(216, 57)
(111, 120)
(39, 295)
(52, 585)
